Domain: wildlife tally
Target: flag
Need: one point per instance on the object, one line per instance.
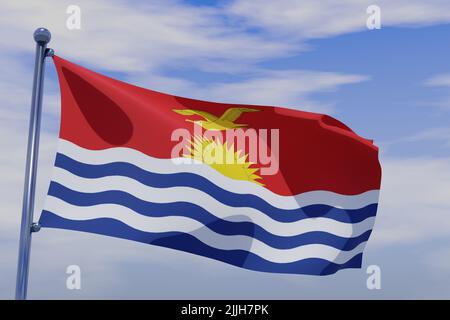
(263, 188)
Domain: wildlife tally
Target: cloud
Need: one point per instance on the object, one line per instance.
(306, 19)
(179, 35)
(414, 201)
(284, 88)
(290, 88)
(441, 80)
(433, 134)
(176, 36)
(171, 34)
(437, 134)
(438, 259)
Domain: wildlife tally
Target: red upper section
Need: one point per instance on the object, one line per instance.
(317, 152)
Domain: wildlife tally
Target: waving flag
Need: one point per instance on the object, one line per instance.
(263, 188)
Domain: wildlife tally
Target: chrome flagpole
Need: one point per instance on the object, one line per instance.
(42, 37)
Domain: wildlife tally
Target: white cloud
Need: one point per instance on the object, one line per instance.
(170, 34)
(291, 88)
(178, 36)
(441, 80)
(433, 134)
(314, 19)
(438, 260)
(414, 202)
(211, 38)
(437, 134)
(284, 88)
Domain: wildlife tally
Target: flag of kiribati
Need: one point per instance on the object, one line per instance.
(263, 188)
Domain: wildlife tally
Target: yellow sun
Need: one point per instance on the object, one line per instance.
(223, 159)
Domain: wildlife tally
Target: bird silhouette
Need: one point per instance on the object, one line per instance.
(212, 122)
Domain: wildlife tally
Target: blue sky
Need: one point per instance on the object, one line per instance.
(391, 85)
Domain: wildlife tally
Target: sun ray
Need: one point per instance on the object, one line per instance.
(223, 158)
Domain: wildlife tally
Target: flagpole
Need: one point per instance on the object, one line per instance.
(42, 37)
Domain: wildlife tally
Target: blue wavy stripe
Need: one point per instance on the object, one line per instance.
(185, 179)
(185, 242)
(196, 212)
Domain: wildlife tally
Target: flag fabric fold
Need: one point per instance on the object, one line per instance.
(263, 188)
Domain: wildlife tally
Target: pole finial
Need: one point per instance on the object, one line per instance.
(42, 35)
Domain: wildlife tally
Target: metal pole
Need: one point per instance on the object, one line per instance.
(42, 37)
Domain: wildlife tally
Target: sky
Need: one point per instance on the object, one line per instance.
(391, 85)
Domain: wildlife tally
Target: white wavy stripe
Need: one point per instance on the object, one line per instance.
(166, 166)
(199, 231)
(220, 210)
